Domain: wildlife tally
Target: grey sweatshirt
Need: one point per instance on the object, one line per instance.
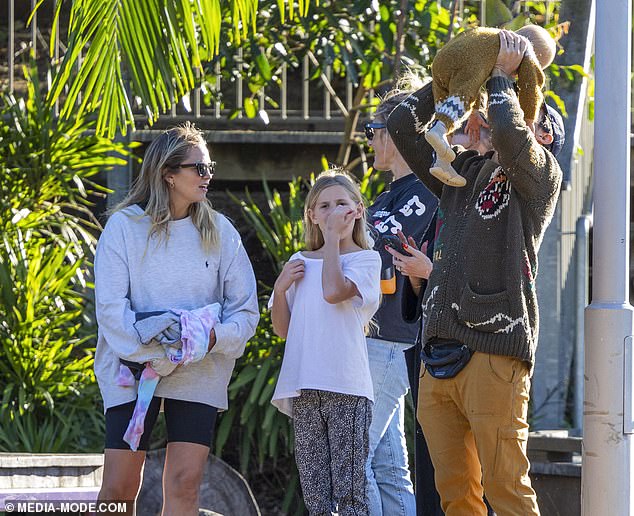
(133, 275)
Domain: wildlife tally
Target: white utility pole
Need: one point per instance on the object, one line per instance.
(608, 462)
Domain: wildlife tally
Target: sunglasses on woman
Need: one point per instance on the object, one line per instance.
(202, 168)
(370, 127)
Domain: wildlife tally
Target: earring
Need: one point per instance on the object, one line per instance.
(171, 183)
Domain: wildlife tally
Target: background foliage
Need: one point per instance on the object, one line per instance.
(146, 55)
(47, 384)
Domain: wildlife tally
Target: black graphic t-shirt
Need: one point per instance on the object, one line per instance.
(409, 206)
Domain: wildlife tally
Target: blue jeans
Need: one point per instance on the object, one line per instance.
(390, 490)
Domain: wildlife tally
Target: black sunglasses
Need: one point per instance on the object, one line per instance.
(370, 127)
(202, 168)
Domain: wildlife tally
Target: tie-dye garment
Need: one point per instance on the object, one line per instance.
(147, 385)
(160, 334)
(195, 326)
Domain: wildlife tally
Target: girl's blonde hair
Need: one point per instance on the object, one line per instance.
(152, 191)
(335, 177)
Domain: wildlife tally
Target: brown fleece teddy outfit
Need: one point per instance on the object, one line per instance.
(459, 70)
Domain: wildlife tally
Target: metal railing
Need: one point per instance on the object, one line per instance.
(336, 99)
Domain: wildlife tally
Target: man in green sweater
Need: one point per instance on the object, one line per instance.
(479, 307)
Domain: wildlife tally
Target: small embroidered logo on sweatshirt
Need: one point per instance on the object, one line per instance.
(206, 264)
(495, 196)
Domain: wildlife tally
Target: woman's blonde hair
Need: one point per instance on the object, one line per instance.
(335, 177)
(152, 191)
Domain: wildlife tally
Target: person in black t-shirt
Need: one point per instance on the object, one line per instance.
(406, 208)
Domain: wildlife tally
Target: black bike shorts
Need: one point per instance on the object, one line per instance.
(186, 421)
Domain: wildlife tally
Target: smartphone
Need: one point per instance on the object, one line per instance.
(395, 243)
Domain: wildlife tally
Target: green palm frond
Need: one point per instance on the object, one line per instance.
(155, 40)
(150, 50)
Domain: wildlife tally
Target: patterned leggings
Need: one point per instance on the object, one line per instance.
(331, 449)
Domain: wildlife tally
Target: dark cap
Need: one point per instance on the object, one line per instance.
(557, 130)
(406, 125)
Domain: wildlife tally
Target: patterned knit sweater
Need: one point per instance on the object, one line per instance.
(462, 66)
(482, 288)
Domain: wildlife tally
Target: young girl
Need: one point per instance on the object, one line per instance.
(321, 302)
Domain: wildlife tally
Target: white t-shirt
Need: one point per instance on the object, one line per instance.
(325, 345)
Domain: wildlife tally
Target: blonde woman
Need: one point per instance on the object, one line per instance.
(321, 302)
(165, 248)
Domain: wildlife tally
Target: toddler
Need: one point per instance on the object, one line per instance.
(459, 70)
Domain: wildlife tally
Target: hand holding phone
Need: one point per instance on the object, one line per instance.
(395, 243)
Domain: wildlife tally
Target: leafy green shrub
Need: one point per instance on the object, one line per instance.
(281, 230)
(47, 383)
(48, 395)
(46, 166)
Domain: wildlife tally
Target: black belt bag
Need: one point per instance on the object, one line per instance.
(446, 360)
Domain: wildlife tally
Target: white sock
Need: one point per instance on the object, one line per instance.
(440, 125)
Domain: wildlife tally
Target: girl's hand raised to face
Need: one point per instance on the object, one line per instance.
(340, 219)
(291, 272)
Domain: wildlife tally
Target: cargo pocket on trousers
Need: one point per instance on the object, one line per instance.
(510, 454)
(506, 369)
